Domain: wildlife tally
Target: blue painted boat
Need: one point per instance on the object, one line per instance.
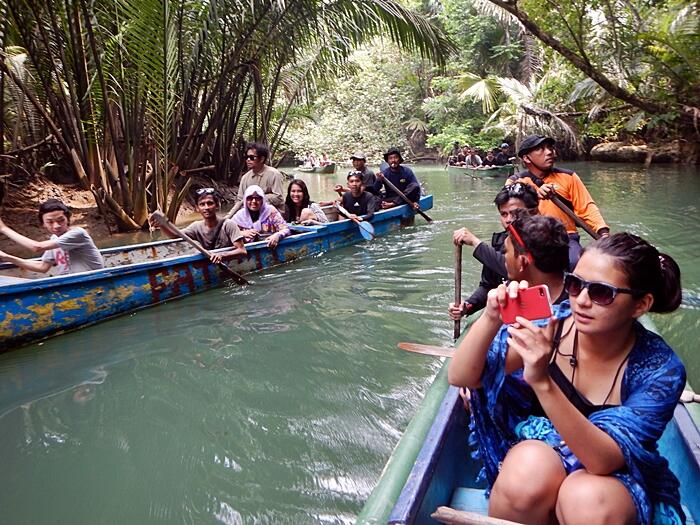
(432, 466)
(34, 306)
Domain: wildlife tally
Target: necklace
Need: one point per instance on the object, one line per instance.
(573, 361)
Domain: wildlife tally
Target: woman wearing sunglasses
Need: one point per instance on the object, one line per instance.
(567, 412)
(258, 219)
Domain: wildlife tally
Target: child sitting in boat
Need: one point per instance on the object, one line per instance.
(567, 413)
(71, 250)
(259, 219)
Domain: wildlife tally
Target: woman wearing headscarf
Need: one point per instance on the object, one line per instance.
(259, 219)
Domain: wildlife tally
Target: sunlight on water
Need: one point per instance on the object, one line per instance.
(279, 402)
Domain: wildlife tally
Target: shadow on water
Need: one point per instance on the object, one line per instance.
(279, 402)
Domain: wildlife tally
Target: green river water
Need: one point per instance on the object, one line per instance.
(280, 402)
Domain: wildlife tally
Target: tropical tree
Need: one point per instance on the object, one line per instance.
(140, 95)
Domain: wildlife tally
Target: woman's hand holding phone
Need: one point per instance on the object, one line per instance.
(532, 343)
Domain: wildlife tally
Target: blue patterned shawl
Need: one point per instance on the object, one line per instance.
(651, 386)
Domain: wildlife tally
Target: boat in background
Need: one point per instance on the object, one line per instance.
(492, 171)
(35, 306)
(328, 168)
(432, 466)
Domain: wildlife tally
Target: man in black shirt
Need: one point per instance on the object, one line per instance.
(358, 201)
(509, 199)
(503, 157)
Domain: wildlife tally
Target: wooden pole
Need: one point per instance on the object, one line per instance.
(458, 287)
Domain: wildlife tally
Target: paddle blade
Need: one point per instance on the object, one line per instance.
(427, 349)
(367, 230)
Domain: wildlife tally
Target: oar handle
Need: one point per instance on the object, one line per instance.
(458, 287)
(163, 220)
(577, 220)
(347, 213)
(405, 199)
(567, 211)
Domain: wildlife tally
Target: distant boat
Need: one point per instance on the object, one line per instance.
(328, 168)
(490, 171)
(35, 306)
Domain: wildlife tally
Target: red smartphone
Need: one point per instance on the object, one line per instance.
(531, 303)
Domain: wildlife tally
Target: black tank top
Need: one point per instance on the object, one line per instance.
(577, 399)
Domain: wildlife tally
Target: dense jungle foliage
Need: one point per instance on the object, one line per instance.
(132, 98)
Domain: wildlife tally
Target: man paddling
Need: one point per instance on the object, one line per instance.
(400, 176)
(358, 201)
(508, 201)
(211, 232)
(538, 154)
(70, 250)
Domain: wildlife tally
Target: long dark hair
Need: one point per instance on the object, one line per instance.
(290, 209)
(645, 267)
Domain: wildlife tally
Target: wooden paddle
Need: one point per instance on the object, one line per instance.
(163, 220)
(577, 220)
(567, 211)
(405, 199)
(417, 348)
(366, 228)
(458, 286)
(452, 516)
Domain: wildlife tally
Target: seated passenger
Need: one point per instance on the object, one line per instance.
(72, 250)
(567, 412)
(472, 159)
(503, 157)
(489, 160)
(357, 201)
(212, 232)
(298, 206)
(508, 201)
(259, 219)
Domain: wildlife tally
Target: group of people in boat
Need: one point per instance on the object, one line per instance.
(567, 412)
(475, 158)
(312, 161)
(260, 212)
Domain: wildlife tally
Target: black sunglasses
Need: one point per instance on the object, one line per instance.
(600, 293)
(206, 191)
(251, 157)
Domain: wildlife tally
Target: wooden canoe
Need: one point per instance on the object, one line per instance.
(431, 466)
(493, 171)
(35, 306)
(329, 168)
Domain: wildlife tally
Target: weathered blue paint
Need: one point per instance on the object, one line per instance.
(36, 309)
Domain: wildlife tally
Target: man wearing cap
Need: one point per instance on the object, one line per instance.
(538, 155)
(401, 177)
(359, 165)
(503, 157)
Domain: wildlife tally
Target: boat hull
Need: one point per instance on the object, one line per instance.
(140, 276)
(496, 171)
(330, 168)
(443, 473)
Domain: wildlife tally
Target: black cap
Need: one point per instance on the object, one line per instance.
(393, 151)
(533, 141)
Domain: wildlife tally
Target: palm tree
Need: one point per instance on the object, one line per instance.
(140, 94)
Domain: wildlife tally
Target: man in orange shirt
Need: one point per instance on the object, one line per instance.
(538, 155)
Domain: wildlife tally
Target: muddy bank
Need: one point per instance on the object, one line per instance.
(21, 201)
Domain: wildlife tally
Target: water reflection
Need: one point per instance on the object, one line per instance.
(279, 402)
